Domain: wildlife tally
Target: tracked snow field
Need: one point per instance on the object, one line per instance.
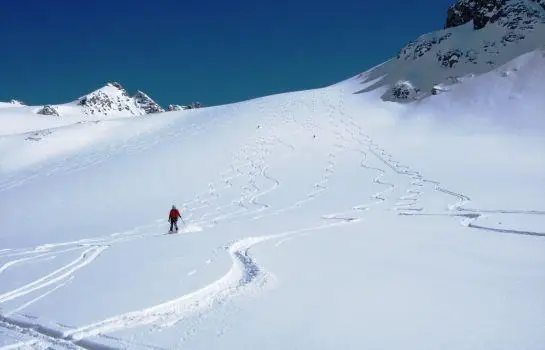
(316, 219)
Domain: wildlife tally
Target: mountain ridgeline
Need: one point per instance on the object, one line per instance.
(110, 100)
(478, 36)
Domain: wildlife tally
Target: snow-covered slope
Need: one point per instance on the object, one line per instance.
(316, 219)
(479, 36)
(11, 103)
(110, 101)
(319, 219)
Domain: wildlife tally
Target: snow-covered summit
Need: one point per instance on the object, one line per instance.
(113, 99)
(48, 110)
(479, 36)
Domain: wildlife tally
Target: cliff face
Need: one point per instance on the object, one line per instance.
(479, 36)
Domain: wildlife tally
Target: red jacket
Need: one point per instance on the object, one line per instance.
(174, 214)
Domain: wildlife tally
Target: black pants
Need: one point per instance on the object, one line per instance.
(173, 223)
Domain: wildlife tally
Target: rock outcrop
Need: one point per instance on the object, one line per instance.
(185, 107)
(144, 102)
(48, 110)
(176, 108)
(478, 36)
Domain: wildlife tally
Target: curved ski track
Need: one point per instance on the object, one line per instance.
(245, 274)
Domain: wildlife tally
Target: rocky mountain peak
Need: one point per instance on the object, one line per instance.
(48, 110)
(145, 102)
(116, 85)
(509, 13)
(479, 36)
(114, 99)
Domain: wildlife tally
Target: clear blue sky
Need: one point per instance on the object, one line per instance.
(211, 51)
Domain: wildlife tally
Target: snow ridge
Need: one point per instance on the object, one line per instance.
(479, 36)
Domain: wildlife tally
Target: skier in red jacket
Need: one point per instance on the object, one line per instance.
(173, 217)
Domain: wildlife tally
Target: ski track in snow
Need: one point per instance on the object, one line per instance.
(245, 274)
(86, 257)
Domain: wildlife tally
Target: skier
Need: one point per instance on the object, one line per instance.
(173, 217)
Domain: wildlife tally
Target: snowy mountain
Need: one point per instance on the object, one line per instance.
(48, 110)
(319, 219)
(479, 36)
(113, 99)
(110, 101)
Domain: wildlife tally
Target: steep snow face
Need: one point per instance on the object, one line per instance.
(510, 97)
(479, 36)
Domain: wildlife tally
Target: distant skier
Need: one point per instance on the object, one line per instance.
(173, 217)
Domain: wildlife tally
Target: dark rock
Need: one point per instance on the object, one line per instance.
(510, 14)
(450, 57)
(175, 108)
(48, 110)
(478, 11)
(146, 103)
(518, 15)
(193, 105)
(402, 91)
(420, 47)
(196, 105)
(511, 37)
